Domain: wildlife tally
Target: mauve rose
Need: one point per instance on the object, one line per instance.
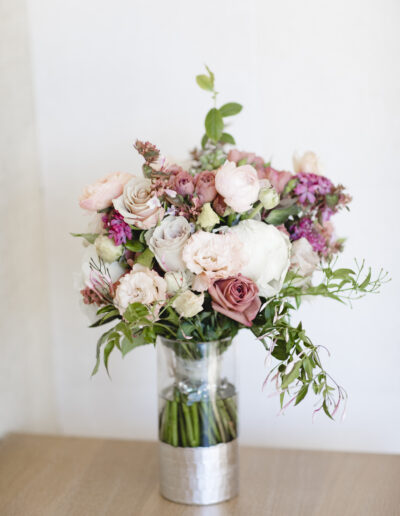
(205, 186)
(182, 182)
(219, 205)
(278, 178)
(251, 159)
(237, 298)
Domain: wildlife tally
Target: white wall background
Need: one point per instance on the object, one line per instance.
(312, 75)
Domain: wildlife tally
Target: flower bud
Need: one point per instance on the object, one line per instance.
(207, 218)
(269, 198)
(107, 250)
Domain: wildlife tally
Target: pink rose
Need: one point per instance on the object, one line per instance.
(205, 186)
(239, 186)
(99, 195)
(219, 205)
(278, 178)
(251, 159)
(181, 181)
(237, 298)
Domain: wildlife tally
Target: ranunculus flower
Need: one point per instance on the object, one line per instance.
(278, 178)
(100, 195)
(107, 250)
(166, 241)
(182, 182)
(141, 285)
(250, 158)
(207, 218)
(238, 186)
(304, 259)
(308, 162)
(188, 304)
(205, 186)
(138, 205)
(268, 254)
(214, 255)
(237, 298)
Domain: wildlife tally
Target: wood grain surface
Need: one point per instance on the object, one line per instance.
(67, 476)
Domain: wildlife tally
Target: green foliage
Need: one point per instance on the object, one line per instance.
(146, 258)
(135, 246)
(230, 109)
(281, 215)
(214, 125)
(89, 237)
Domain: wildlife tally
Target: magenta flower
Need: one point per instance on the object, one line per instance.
(117, 228)
(311, 185)
(305, 228)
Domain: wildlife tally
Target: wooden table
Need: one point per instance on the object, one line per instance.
(66, 476)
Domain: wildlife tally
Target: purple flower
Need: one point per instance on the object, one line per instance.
(306, 229)
(310, 185)
(118, 229)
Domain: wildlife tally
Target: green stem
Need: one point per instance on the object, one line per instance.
(174, 423)
(257, 208)
(222, 436)
(195, 419)
(189, 428)
(165, 422)
(182, 431)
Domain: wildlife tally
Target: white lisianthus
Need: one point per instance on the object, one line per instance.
(166, 242)
(269, 197)
(176, 281)
(308, 162)
(188, 304)
(304, 259)
(207, 218)
(107, 250)
(268, 254)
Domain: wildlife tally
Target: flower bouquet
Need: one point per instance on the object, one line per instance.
(185, 256)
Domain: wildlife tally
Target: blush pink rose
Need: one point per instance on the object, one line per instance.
(237, 298)
(251, 159)
(239, 186)
(205, 186)
(278, 178)
(100, 195)
(182, 182)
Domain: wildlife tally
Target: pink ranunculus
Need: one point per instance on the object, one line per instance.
(182, 182)
(100, 195)
(237, 298)
(205, 186)
(278, 178)
(251, 159)
(239, 186)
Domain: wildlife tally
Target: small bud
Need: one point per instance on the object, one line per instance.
(207, 218)
(269, 198)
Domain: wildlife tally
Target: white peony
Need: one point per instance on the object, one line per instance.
(166, 241)
(304, 259)
(239, 186)
(188, 304)
(268, 254)
(107, 250)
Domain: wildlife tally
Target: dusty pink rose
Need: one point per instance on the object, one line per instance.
(251, 159)
(219, 205)
(205, 186)
(213, 255)
(278, 178)
(100, 195)
(182, 182)
(239, 186)
(237, 298)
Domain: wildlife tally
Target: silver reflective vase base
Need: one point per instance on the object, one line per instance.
(199, 476)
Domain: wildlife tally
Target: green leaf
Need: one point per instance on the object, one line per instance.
(294, 373)
(90, 237)
(100, 342)
(326, 410)
(107, 351)
(123, 328)
(366, 281)
(135, 246)
(146, 258)
(332, 200)
(342, 273)
(212, 76)
(214, 124)
(106, 309)
(227, 138)
(204, 141)
(301, 394)
(128, 345)
(230, 109)
(205, 82)
(280, 215)
(110, 316)
(135, 312)
(290, 186)
(149, 334)
(308, 367)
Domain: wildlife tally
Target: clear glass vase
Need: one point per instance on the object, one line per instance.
(198, 424)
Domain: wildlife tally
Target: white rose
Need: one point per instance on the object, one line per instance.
(268, 254)
(107, 250)
(304, 259)
(177, 280)
(239, 186)
(308, 162)
(141, 285)
(188, 304)
(166, 241)
(138, 205)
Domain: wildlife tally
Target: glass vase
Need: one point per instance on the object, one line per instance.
(198, 424)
